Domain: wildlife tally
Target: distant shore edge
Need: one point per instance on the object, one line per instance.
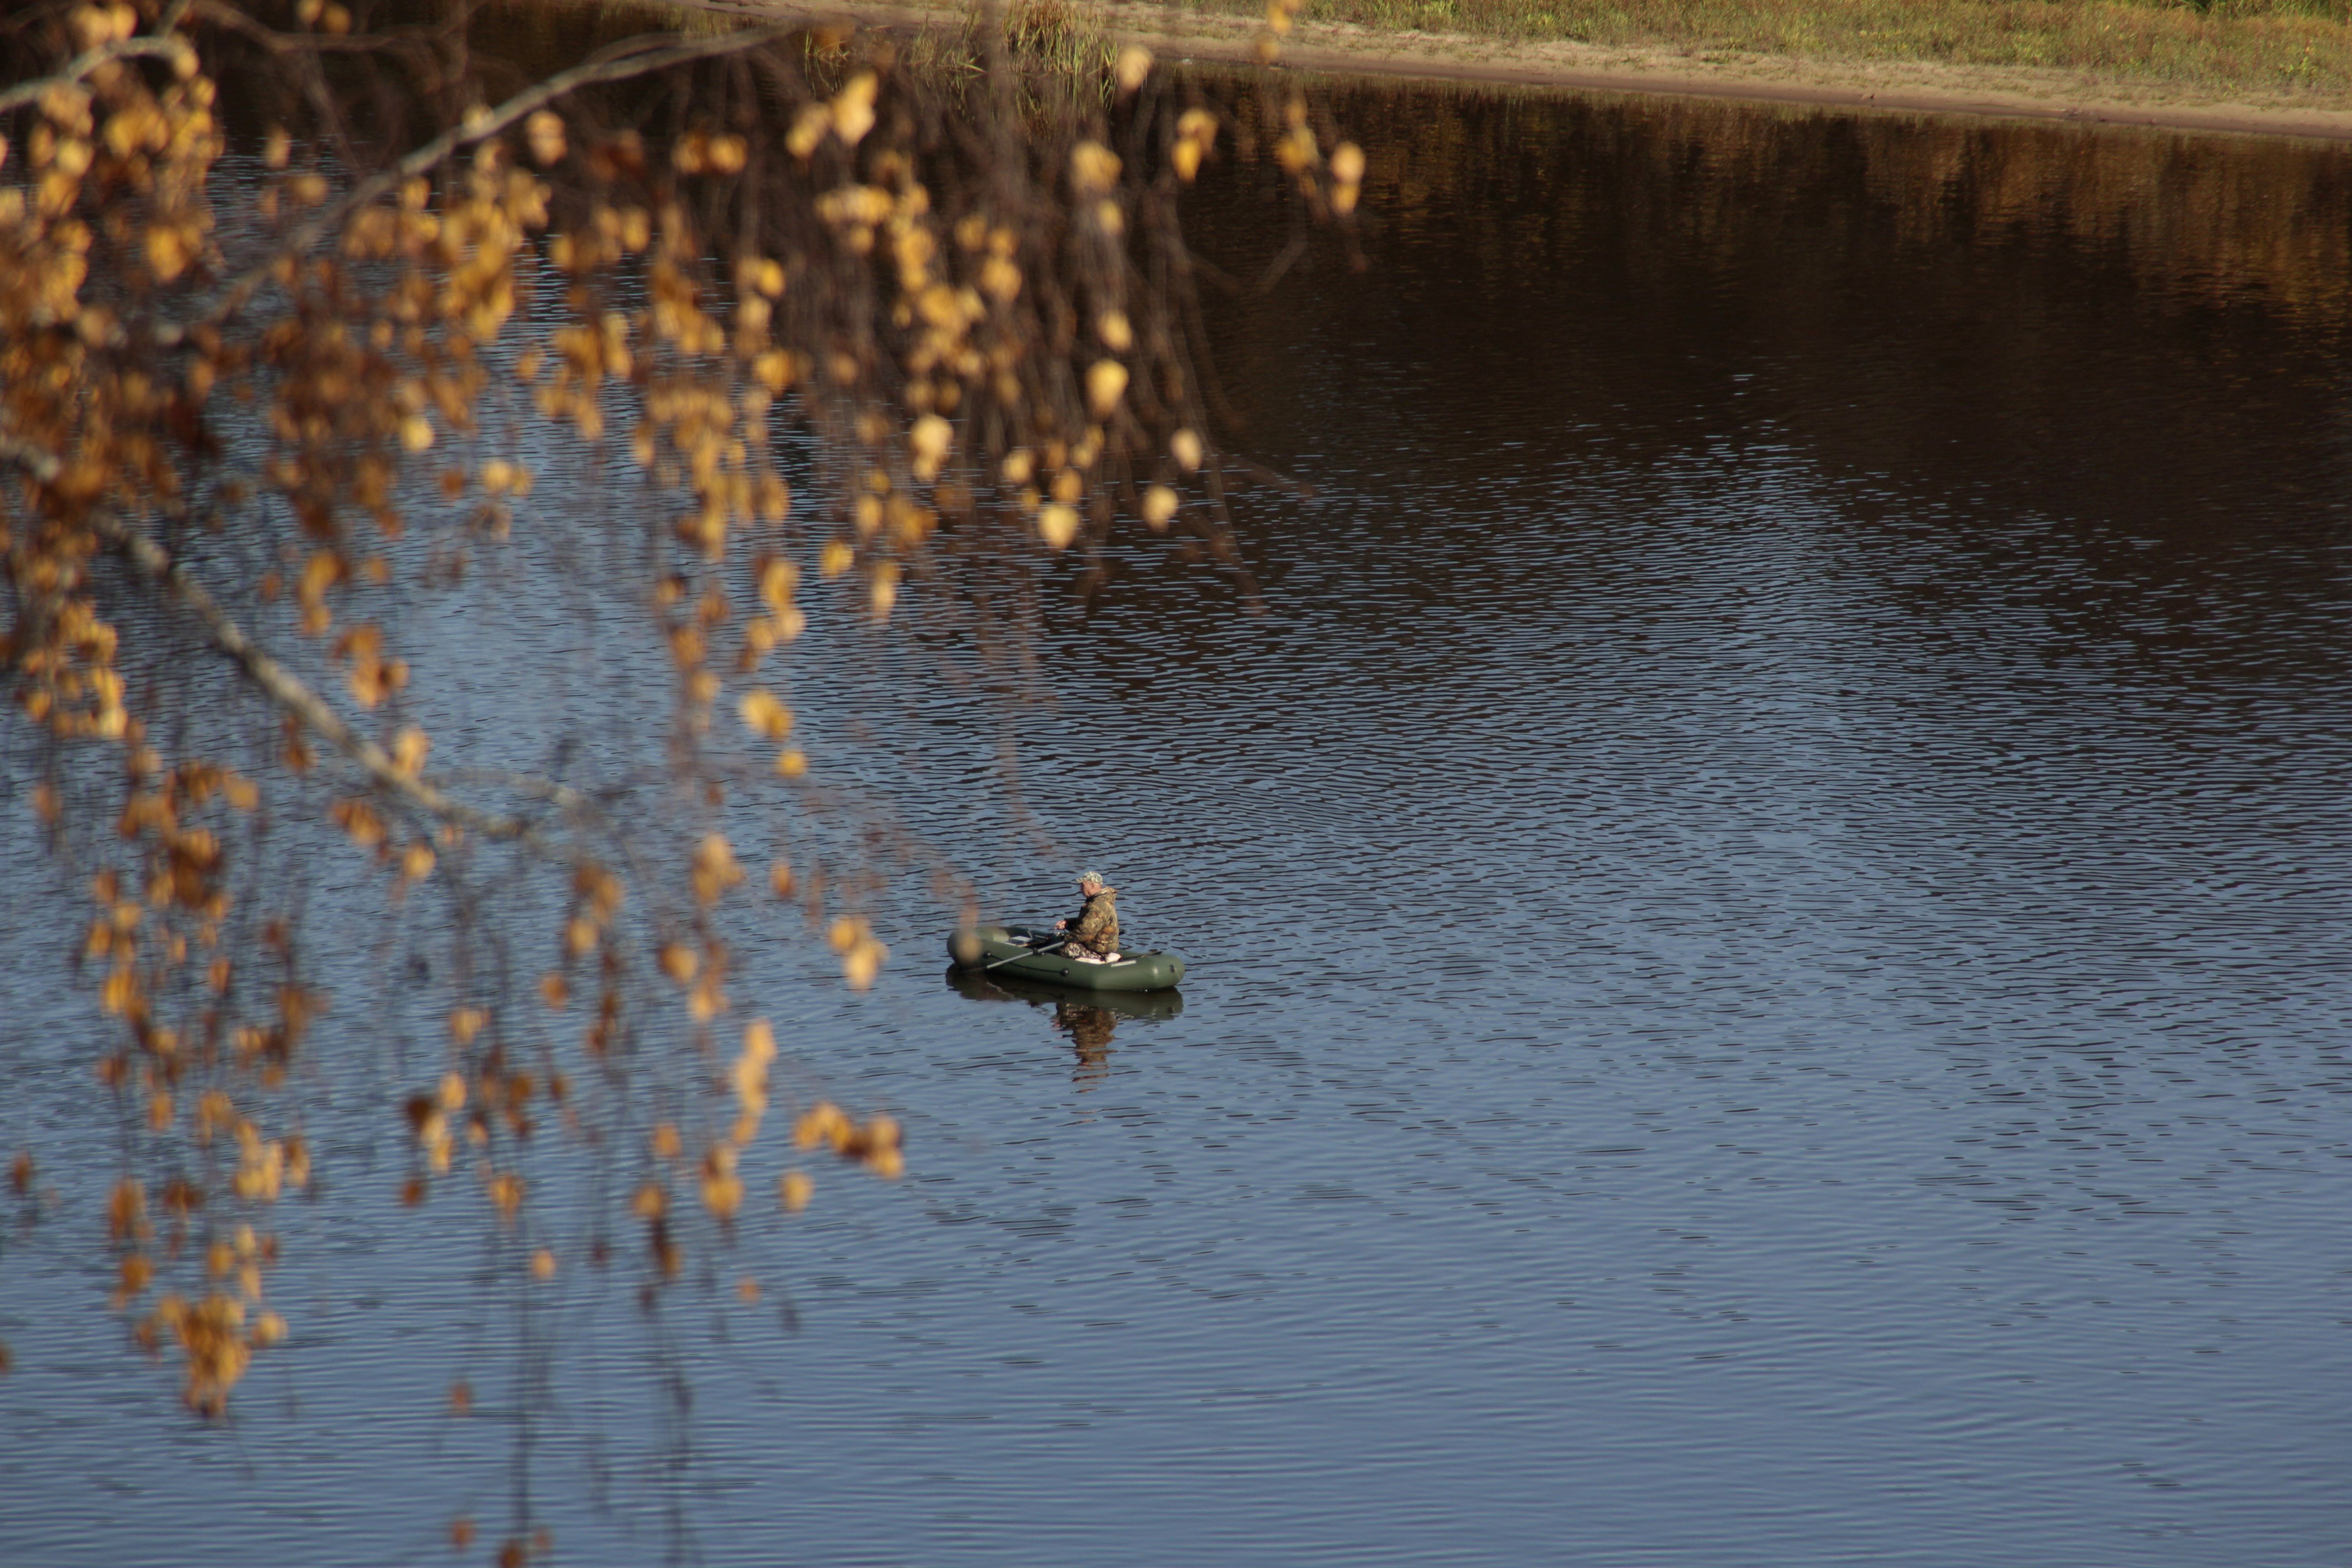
(1975, 91)
(1179, 35)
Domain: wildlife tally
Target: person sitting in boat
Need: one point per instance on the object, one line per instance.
(1095, 938)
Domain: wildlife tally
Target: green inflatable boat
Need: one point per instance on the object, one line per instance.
(1002, 987)
(1031, 952)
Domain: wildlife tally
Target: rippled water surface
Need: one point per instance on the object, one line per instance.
(1769, 882)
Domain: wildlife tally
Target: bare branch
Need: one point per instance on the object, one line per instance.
(562, 796)
(625, 61)
(89, 60)
(288, 691)
(279, 43)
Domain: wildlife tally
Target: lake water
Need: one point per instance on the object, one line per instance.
(1770, 886)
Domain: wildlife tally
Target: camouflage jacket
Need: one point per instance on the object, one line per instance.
(1096, 927)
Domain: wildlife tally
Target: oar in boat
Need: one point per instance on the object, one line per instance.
(1030, 950)
(1058, 938)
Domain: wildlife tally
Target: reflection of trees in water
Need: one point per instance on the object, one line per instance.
(1509, 175)
(2135, 330)
(1090, 1028)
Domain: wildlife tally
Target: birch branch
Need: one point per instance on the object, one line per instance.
(632, 59)
(288, 691)
(89, 60)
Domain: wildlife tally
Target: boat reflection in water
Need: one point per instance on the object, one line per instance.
(1088, 1018)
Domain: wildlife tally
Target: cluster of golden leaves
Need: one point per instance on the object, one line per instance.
(875, 1143)
(63, 391)
(1337, 186)
(970, 336)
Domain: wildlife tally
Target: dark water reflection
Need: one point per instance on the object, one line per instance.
(1771, 899)
(1089, 1020)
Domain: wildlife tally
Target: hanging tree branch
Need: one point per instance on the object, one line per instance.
(71, 73)
(985, 373)
(287, 690)
(621, 62)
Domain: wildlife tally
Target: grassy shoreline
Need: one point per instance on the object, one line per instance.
(2241, 67)
(2274, 48)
